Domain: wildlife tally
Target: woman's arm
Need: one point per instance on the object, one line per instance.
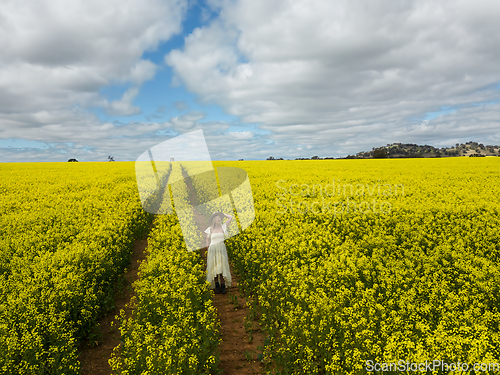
(229, 221)
(208, 240)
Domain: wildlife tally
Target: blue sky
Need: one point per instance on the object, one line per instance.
(283, 78)
(159, 98)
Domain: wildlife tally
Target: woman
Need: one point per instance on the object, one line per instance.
(217, 261)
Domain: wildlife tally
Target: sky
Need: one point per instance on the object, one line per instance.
(87, 79)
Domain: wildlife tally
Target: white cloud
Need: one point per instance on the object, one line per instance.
(187, 122)
(323, 72)
(95, 140)
(124, 107)
(242, 135)
(57, 54)
(324, 78)
(142, 71)
(423, 127)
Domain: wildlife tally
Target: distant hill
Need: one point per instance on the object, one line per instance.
(410, 150)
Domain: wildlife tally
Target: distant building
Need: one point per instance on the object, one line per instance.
(171, 159)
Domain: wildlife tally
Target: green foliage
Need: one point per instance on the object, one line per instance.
(380, 153)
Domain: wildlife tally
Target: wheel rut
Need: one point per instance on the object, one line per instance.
(239, 347)
(94, 359)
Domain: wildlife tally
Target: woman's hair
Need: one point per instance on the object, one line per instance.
(212, 224)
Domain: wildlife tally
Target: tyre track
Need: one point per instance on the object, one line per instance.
(238, 355)
(94, 360)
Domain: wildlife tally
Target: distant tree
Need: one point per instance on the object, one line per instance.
(379, 153)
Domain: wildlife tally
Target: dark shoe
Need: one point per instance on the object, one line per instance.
(217, 288)
(223, 288)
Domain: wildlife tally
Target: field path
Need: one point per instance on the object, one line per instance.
(238, 356)
(94, 360)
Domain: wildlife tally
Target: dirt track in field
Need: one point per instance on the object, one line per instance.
(238, 354)
(94, 360)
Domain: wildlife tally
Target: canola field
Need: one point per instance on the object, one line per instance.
(403, 264)
(66, 232)
(350, 262)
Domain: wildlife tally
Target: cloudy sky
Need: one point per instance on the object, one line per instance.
(86, 79)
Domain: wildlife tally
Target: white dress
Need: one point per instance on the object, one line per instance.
(217, 260)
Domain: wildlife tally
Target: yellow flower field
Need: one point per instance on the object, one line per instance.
(66, 231)
(351, 261)
(418, 280)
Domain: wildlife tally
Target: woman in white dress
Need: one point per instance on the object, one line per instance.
(217, 260)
